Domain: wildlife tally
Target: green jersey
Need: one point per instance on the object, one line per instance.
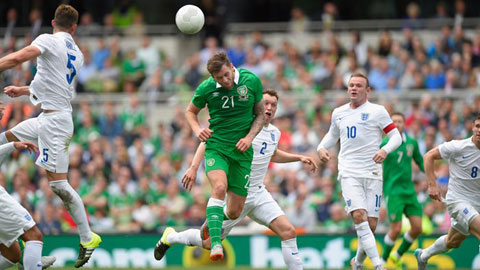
(397, 168)
(231, 111)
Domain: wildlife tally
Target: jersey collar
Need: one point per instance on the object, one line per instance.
(236, 77)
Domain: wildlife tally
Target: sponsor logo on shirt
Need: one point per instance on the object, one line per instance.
(215, 94)
(273, 137)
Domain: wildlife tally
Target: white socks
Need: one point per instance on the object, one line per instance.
(74, 205)
(438, 247)
(361, 255)
(290, 254)
(190, 237)
(5, 263)
(32, 255)
(366, 240)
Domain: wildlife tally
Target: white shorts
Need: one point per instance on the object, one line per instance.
(362, 193)
(15, 220)
(259, 206)
(462, 213)
(52, 132)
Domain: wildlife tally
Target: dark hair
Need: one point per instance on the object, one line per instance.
(216, 62)
(271, 92)
(399, 114)
(359, 74)
(65, 16)
(476, 117)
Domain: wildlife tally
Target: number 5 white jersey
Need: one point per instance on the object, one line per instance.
(463, 158)
(264, 145)
(360, 131)
(57, 67)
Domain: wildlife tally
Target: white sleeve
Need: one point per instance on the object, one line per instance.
(332, 136)
(394, 141)
(6, 149)
(43, 42)
(384, 119)
(447, 149)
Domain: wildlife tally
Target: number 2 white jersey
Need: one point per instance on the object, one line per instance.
(360, 131)
(463, 158)
(264, 146)
(57, 66)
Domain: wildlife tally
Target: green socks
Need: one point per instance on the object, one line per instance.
(215, 220)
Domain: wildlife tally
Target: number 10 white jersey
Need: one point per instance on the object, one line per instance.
(57, 66)
(360, 131)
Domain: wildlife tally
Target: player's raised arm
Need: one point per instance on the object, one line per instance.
(18, 57)
(428, 160)
(191, 174)
(284, 157)
(244, 143)
(191, 114)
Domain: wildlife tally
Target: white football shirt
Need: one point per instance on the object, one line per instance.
(360, 131)
(264, 146)
(57, 67)
(463, 158)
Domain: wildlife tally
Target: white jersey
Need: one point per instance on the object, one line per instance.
(57, 66)
(264, 146)
(360, 131)
(463, 158)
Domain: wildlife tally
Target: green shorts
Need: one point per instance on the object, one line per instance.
(235, 164)
(403, 204)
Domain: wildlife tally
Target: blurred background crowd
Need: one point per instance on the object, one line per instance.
(128, 170)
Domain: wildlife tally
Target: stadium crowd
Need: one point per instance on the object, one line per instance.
(127, 172)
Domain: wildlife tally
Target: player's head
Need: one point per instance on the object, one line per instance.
(476, 129)
(66, 18)
(222, 70)
(399, 120)
(358, 88)
(270, 101)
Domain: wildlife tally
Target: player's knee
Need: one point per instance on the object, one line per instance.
(359, 216)
(34, 234)
(234, 213)
(416, 230)
(288, 232)
(219, 189)
(455, 243)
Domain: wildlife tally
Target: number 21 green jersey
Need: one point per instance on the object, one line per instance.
(231, 111)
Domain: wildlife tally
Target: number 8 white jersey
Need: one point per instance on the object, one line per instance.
(57, 66)
(264, 146)
(360, 131)
(463, 158)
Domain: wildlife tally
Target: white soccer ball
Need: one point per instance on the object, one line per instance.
(189, 19)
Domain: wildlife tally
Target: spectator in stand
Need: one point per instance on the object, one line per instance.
(237, 53)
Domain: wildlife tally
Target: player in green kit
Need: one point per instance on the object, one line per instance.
(234, 101)
(400, 193)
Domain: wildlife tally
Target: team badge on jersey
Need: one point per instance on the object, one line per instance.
(273, 137)
(365, 116)
(210, 162)
(242, 90)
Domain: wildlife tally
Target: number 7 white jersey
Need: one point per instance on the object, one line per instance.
(360, 131)
(463, 158)
(57, 67)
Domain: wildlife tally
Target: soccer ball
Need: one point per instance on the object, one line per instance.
(189, 19)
